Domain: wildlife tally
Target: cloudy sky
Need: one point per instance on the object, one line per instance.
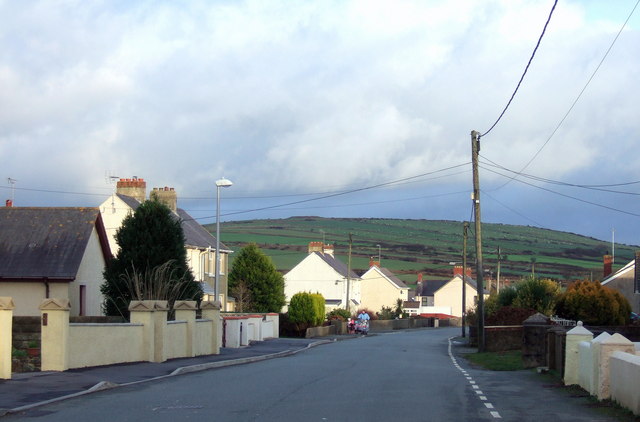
(329, 108)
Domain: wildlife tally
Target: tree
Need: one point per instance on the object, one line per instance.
(263, 280)
(242, 295)
(594, 304)
(151, 262)
(302, 309)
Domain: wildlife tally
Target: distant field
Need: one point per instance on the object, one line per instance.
(428, 246)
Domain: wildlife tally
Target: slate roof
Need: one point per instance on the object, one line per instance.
(46, 242)
(624, 272)
(194, 233)
(393, 278)
(430, 287)
(336, 265)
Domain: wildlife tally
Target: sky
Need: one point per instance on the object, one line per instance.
(328, 108)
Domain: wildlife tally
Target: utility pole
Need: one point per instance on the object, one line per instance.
(465, 227)
(498, 275)
(349, 270)
(475, 150)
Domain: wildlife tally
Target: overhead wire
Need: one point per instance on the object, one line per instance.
(593, 74)
(523, 73)
(565, 195)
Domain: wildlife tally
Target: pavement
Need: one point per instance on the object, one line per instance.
(28, 390)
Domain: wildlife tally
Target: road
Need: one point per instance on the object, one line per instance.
(407, 375)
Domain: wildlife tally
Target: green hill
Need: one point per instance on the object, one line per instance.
(428, 246)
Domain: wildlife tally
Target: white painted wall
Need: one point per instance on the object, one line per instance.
(378, 291)
(90, 276)
(313, 275)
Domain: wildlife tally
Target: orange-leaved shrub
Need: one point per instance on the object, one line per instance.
(593, 304)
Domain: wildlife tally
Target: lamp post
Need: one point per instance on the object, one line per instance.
(221, 183)
(379, 255)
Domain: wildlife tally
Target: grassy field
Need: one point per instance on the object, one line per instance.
(428, 246)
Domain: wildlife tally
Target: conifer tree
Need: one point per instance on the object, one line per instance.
(150, 239)
(262, 278)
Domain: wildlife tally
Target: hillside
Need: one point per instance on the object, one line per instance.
(411, 246)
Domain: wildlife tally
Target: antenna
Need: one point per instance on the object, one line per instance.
(110, 179)
(12, 182)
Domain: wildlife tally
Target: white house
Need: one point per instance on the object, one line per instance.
(199, 243)
(321, 272)
(443, 298)
(52, 253)
(380, 287)
(626, 281)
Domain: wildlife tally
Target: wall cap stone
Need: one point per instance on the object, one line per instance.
(6, 303)
(602, 337)
(184, 305)
(141, 305)
(206, 305)
(161, 305)
(54, 304)
(617, 339)
(537, 319)
(579, 330)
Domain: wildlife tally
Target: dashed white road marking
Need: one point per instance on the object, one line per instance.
(473, 384)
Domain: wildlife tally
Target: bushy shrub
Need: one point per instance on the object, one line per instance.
(509, 315)
(301, 309)
(593, 304)
(372, 315)
(386, 313)
(339, 314)
(537, 293)
(318, 308)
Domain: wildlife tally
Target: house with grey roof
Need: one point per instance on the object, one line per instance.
(443, 298)
(199, 243)
(380, 287)
(53, 253)
(626, 281)
(320, 271)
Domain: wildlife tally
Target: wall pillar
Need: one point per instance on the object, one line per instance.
(186, 311)
(612, 344)
(54, 350)
(141, 312)
(211, 311)
(534, 344)
(160, 311)
(6, 333)
(572, 358)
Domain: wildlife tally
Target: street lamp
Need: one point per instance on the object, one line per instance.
(221, 183)
(379, 255)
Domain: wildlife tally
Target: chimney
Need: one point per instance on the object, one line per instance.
(608, 266)
(373, 263)
(328, 249)
(419, 277)
(167, 196)
(134, 187)
(315, 247)
(9, 203)
(457, 270)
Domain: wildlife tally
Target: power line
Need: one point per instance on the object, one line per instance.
(565, 195)
(524, 73)
(338, 193)
(600, 188)
(577, 98)
(512, 210)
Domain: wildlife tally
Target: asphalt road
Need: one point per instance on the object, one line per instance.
(409, 375)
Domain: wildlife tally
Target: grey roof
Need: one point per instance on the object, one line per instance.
(45, 242)
(393, 278)
(336, 265)
(194, 233)
(429, 287)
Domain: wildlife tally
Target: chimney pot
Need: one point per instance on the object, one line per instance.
(9, 203)
(608, 265)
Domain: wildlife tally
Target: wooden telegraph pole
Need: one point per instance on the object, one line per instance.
(465, 227)
(475, 149)
(349, 272)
